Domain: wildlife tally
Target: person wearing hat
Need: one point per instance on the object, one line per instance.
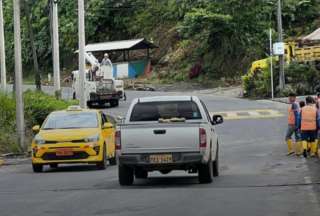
(106, 67)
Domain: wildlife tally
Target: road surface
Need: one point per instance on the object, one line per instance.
(257, 178)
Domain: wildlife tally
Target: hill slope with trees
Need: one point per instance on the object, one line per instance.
(202, 38)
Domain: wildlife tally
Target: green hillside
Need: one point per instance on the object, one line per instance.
(213, 38)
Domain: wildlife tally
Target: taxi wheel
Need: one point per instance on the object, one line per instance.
(37, 168)
(103, 164)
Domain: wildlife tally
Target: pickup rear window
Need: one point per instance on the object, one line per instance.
(153, 111)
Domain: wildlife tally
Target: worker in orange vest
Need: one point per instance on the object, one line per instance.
(309, 124)
(293, 125)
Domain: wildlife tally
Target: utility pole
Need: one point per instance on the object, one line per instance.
(55, 46)
(271, 63)
(280, 39)
(18, 73)
(2, 52)
(81, 31)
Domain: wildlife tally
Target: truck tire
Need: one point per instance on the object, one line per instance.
(103, 164)
(37, 168)
(89, 104)
(215, 165)
(140, 174)
(125, 175)
(113, 161)
(205, 172)
(114, 103)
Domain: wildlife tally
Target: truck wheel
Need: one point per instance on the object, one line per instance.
(89, 104)
(215, 165)
(205, 172)
(113, 161)
(37, 168)
(103, 164)
(140, 174)
(125, 175)
(114, 103)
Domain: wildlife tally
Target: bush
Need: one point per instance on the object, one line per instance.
(37, 106)
(301, 79)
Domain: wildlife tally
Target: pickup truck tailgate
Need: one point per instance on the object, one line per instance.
(157, 138)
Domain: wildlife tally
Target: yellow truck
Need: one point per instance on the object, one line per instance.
(293, 52)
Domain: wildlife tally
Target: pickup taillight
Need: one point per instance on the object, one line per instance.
(202, 138)
(118, 140)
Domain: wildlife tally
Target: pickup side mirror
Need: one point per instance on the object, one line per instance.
(107, 125)
(217, 119)
(36, 128)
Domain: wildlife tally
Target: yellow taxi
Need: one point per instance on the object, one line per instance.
(74, 135)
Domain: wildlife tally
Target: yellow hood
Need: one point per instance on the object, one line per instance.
(68, 134)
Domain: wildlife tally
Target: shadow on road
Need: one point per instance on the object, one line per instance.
(166, 181)
(72, 168)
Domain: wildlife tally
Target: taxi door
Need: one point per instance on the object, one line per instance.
(108, 135)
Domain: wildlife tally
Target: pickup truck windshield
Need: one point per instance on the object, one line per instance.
(153, 111)
(70, 120)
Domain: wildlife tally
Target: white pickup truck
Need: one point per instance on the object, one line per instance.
(167, 133)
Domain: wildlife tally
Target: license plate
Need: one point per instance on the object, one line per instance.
(104, 97)
(64, 152)
(161, 159)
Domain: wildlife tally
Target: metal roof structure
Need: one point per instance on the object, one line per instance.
(122, 45)
(314, 36)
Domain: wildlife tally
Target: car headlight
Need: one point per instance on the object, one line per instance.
(39, 140)
(94, 138)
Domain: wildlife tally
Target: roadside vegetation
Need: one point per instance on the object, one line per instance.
(37, 106)
(302, 79)
(198, 40)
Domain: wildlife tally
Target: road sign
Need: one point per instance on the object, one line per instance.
(278, 48)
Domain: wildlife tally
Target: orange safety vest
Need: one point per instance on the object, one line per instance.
(308, 118)
(291, 117)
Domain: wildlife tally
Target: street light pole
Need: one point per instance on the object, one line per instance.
(55, 35)
(18, 73)
(271, 63)
(2, 52)
(81, 30)
(280, 39)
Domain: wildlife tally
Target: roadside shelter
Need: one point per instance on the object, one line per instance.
(131, 65)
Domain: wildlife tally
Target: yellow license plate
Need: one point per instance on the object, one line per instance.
(160, 159)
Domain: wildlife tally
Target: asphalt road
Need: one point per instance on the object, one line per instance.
(257, 178)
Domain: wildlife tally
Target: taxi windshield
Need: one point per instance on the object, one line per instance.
(71, 120)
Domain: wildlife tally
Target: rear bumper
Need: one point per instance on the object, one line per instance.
(94, 97)
(180, 160)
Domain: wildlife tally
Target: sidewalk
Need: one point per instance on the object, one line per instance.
(285, 99)
(7, 161)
